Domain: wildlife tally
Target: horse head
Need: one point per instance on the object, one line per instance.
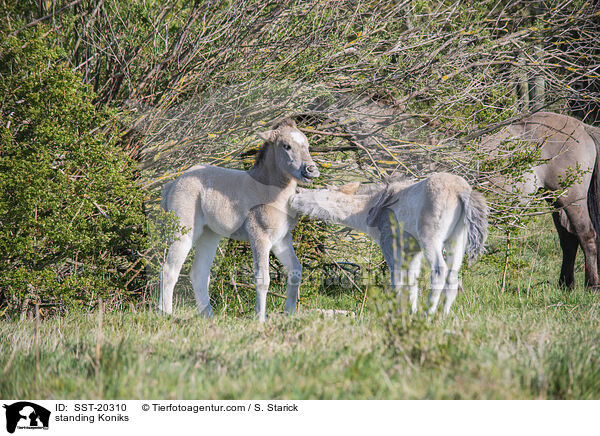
(291, 154)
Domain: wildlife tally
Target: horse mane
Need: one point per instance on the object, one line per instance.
(260, 154)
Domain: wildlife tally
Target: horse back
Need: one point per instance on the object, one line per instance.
(427, 207)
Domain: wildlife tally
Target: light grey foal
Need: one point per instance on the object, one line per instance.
(214, 202)
(411, 220)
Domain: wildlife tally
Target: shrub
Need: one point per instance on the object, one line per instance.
(71, 218)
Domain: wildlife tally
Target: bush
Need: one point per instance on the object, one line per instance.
(71, 218)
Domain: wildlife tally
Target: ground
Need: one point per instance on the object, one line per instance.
(534, 340)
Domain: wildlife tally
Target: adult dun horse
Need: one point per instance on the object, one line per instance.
(410, 221)
(213, 202)
(566, 144)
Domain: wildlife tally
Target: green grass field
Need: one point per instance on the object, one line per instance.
(534, 340)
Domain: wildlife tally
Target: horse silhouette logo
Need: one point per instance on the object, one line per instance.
(26, 415)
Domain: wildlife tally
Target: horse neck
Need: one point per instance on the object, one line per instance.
(350, 210)
(266, 172)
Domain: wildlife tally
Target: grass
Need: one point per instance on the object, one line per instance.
(534, 340)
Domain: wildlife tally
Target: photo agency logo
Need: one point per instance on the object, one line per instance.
(26, 416)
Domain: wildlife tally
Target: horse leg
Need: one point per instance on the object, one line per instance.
(439, 271)
(206, 248)
(391, 254)
(405, 273)
(408, 264)
(456, 252)
(397, 270)
(568, 244)
(414, 269)
(284, 251)
(170, 272)
(260, 254)
(586, 235)
(403, 257)
(389, 248)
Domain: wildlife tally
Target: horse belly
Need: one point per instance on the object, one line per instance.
(241, 234)
(222, 214)
(407, 222)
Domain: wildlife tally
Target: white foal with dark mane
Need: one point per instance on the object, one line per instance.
(213, 202)
(410, 220)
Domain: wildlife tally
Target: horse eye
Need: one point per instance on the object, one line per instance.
(287, 146)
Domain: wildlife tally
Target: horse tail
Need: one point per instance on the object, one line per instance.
(593, 197)
(476, 219)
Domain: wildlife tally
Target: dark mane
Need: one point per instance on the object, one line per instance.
(261, 153)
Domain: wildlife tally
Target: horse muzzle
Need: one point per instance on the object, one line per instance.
(309, 172)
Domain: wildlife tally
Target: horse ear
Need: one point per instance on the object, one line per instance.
(289, 122)
(268, 136)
